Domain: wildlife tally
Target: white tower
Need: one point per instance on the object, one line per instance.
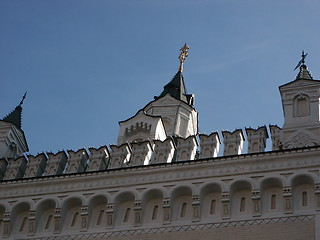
(170, 114)
(300, 101)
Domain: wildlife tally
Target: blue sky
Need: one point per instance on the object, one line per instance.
(88, 64)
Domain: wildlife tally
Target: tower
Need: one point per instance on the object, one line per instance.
(170, 114)
(300, 102)
(13, 142)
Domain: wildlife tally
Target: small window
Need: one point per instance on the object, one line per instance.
(273, 201)
(100, 218)
(155, 212)
(183, 210)
(49, 220)
(126, 215)
(74, 219)
(242, 204)
(213, 207)
(304, 199)
(301, 106)
(23, 224)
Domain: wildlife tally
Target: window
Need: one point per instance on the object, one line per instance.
(74, 219)
(100, 217)
(273, 201)
(23, 224)
(183, 210)
(213, 207)
(304, 199)
(49, 220)
(242, 204)
(155, 212)
(126, 215)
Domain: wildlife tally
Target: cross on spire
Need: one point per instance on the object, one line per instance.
(303, 57)
(183, 56)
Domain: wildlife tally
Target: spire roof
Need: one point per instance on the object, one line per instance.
(176, 87)
(304, 72)
(14, 116)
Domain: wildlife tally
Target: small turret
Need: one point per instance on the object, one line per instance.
(12, 139)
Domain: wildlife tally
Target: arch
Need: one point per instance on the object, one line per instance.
(97, 210)
(152, 202)
(19, 218)
(271, 195)
(45, 211)
(240, 198)
(123, 209)
(181, 203)
(210, 201)
(303, 195)
(71, 210)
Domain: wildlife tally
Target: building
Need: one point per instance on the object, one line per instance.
(163, 180)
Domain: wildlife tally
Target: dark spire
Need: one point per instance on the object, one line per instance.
(176, 87)
(15, 115)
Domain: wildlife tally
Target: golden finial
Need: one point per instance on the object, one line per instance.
(183, 56)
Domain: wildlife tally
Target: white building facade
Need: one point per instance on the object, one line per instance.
(163, 180)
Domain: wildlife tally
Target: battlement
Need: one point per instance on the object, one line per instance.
(172, 149)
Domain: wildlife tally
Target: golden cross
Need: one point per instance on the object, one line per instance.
(183, 56)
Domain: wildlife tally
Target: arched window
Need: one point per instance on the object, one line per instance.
(126, 215)
(242, 204)
(301, 106)
(183, 210)
(273, 201)
(304, 199)
(213, 207)
(155, 212)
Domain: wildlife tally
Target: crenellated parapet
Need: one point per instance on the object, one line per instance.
(120, 155)
(56, 163)
(186, 148)
(275, 137)
(99, 158)
(77, 161)
(163, 151)
(16, 168)
(141, 153)
(233, 142)
(209, 145)
(257, 139)
(36, 165)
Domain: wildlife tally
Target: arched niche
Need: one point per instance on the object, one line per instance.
(152, 211)
(303, 196)
(301, 106)
(19, 219)
(71, 214)
(97, 211)
(240, 199)
(45, 216)
(123, 209)
(210, 201)
(181, 204)
(271, 196)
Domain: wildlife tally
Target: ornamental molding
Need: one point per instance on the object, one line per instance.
(194, 227)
